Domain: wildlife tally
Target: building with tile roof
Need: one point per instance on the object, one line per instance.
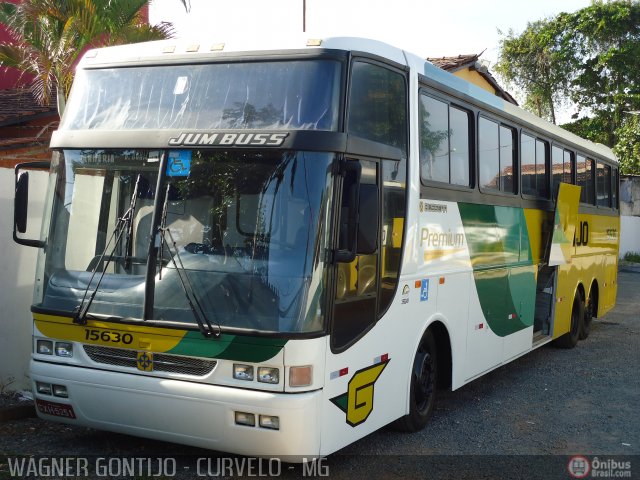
(472, 70)
(25, 126)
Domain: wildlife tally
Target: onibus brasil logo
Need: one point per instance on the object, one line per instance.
(357, 402)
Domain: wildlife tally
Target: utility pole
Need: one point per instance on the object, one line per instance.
(304, 16)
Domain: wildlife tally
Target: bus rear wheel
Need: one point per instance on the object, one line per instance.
(424, 375)
(585, 326)
(570, 339)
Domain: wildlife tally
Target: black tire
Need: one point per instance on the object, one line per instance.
(585, 325)
(424, 376)
(570, 339)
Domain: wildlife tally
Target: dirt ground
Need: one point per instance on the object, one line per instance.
(524, 420)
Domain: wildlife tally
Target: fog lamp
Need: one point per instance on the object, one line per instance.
(44, 347)
(243, 418)
(43, 388)
(60, 391)
(268, 421)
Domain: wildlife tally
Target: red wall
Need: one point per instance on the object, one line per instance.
(8, 77)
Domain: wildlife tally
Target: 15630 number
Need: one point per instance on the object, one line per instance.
(107, 336)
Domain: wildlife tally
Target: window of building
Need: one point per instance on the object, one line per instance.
(444, 142)
(533, 166)
(378, 105)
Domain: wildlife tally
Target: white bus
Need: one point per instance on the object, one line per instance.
(277, 249)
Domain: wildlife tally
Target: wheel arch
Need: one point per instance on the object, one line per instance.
(443, 346)
(595, 289)
(581, 291)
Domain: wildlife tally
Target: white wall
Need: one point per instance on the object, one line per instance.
(629, 234)
(17, 270)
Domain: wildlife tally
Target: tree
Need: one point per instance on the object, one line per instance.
(534, 62)
(49, 36)
(588, 58)
(628, 147)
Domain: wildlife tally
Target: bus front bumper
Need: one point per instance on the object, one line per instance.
(178, 411)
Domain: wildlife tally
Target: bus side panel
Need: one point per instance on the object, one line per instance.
(594, 266)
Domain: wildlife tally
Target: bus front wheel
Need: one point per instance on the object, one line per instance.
(570, 339)
(422, 394)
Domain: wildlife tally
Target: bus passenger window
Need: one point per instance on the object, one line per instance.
(496, 156)
(444, 142)
(434, 139)
(528, 164)
(568, 169)
(561, 167)
(557, 168)
(614, 188)
(542, 178)
(534, 169)
(603, 185)
(489, 154)
(507, 159)
(459, 141)
(585, 179)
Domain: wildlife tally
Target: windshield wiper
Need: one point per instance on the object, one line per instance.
(128, 248)
(204, 324)
(125, 222)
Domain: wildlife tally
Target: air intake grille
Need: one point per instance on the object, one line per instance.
(161, 362)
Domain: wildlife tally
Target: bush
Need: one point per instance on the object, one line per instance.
(632, 257)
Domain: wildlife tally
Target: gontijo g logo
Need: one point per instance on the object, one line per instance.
(357, 403)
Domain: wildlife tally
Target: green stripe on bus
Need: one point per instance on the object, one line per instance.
(501, 257)
(229, 347)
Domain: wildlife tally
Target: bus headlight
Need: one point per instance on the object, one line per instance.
(242, 372)
(268, 375)
(64, 349)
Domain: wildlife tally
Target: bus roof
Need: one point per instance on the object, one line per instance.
(185, 50)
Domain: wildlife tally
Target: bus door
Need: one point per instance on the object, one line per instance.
(558, 253)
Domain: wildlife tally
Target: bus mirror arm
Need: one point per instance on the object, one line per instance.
(21, 203)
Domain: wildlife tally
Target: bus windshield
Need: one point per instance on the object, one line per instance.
(249, 230)
(291, 95)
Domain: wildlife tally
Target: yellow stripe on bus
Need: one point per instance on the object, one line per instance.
(108, 334)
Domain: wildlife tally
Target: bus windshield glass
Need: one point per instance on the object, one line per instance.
(248, 231)
(292, 95)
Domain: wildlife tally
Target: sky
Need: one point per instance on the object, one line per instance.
(425, 27)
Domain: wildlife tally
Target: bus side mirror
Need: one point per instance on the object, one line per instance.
(21, 203)
(349, 209)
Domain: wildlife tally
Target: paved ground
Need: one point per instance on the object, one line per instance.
(523, 420)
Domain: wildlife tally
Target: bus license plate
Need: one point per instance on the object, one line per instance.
(55, 409)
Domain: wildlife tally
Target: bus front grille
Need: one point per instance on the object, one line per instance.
(162, 362)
